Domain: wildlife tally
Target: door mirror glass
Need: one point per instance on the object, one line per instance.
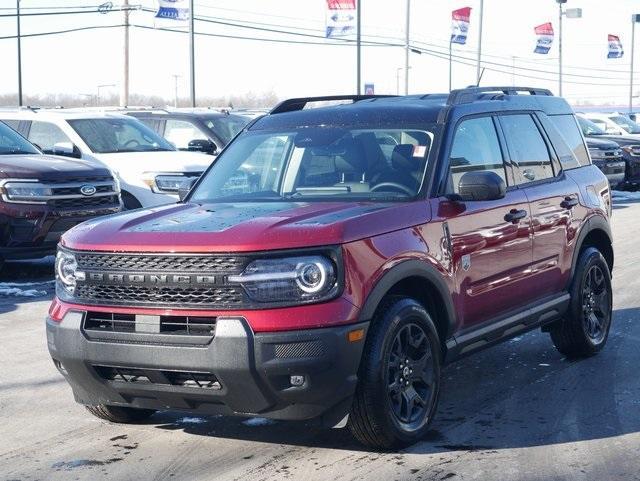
(202, 145)
(481, 185)
(186, 187)
(66, 149)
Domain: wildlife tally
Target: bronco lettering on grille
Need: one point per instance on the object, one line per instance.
(99, 277)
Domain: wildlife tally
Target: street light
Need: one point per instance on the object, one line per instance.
(100, 87)
(569, 13)
(635, 18)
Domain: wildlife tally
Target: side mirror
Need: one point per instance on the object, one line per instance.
(185, 187)
(66, 149)
(481, 185)
(202, 145)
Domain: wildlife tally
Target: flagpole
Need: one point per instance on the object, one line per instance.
(359, 47)
(634, 19)
(480, 42)
(450, 62)
(19, 54)
(192, 53)
(560, 2)
(406, 50)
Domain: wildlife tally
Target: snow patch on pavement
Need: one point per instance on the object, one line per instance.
(191, 420)
(258, 422)
(624, 195)
(20, 289)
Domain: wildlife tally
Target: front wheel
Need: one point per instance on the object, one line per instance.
(585, 329)
(399, 377)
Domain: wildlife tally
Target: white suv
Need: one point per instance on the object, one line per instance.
(149, 168)
(614, 124)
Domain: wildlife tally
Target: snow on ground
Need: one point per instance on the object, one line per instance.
(23, 289)
(623, 195)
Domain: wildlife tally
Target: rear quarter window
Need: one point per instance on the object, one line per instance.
(568, 142)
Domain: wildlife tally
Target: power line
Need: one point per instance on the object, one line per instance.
(57, 32)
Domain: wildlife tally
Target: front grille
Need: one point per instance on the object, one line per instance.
(161, 262)
(82, 180)
(168, 325)
(188, 296)
(198, 380)
(85, 202)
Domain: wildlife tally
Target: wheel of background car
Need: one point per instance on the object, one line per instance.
(134, 143)
(395, 185)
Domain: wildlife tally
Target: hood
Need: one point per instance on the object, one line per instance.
(601, 144)
(243, 227)
(47, 167)
(621, 140)
(169, 161)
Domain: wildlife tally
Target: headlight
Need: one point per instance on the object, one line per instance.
(164, 183)
(25, 192)
(632, 150)
(292, 279)
(67, 271)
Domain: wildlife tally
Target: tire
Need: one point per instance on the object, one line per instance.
(120, 414)
(380, 416)
(585, 328)
(129, 202)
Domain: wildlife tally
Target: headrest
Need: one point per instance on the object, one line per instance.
(402, 158)
(353, 160)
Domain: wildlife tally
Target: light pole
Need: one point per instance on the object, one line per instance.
(192, 53)
(478, 74)
(175, 99)
(635, 18)
(19, 54)
(124, 92)
(358, 47)
(569, 13)
(100, 87)
(406, 49)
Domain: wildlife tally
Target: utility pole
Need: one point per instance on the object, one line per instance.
(175, 78)
(560, 2)
(358, 46)
(124, 92)
(478, 73)
(635, 18)
(192, 53)
(19, 54)
(406, 50)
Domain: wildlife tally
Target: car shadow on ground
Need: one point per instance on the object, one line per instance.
(22, 282)
(518, 394)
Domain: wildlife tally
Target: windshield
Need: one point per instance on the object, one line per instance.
(227, 127)
(589, 128)
(12, 143)
(319, 163)
(110, 135)
(626, 123)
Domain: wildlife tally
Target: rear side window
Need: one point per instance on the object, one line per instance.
(527, 148)
(572, 152)
(45, 135)
(475, 147)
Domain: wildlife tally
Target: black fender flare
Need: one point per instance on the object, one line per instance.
(404, 270)
(594, 223)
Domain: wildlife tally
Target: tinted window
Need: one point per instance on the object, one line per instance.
(572, 152)
(45, 135)
(527, 148)
(475, 147)
(13, 143)
(590, 128)
(226, 128)
(626, 123)
(181, 132)
(12, 123)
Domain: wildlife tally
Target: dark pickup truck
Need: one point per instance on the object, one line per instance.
(43, 196)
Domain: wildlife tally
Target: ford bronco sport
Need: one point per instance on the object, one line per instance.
(332, 260)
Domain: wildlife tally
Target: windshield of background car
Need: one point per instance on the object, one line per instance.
(626, 123)
(12, 143)
(589, 128)
(320, 163)
(111, 135)
(227, 127)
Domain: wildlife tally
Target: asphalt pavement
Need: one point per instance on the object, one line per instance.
(518, 411)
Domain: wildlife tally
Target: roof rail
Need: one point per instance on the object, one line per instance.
(464, 96)
(291, 105)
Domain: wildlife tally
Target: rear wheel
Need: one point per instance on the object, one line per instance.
(120, 414)
(585, 329)
(399, 377)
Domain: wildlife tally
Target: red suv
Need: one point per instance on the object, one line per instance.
(332, 260)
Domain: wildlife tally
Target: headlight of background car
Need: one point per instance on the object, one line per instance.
(26, 192)
(632, 150)
(67, 273)
(291, 280)
(597, 154)
(164, 183)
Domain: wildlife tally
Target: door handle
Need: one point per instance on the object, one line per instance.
(514, 216)
(569, 202)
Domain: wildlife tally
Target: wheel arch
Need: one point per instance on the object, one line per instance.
(422, 282)
(596, 233)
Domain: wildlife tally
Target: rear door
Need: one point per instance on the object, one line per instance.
(491, 254)
(552, 196)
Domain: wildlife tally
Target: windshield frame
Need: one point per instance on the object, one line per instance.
(432, 129)
(9, 132)
(137, 124)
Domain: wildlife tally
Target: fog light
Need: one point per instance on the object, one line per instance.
(296, 381)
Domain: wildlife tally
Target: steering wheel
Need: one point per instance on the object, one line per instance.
(395, 185)
(134, 143)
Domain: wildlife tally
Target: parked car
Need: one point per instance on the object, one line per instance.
(202, 130)
(307, 274)
(629, 145)
(149, 168)
(42, 196)
(614, 124)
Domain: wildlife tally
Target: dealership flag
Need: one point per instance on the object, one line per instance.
(460, 25)
(341, 17)
(615, 47)
(173, 10)
(545, 38)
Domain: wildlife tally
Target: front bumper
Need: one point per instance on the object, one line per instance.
(251, 370)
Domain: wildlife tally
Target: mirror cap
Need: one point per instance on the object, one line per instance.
(202, 145)
(481, 185)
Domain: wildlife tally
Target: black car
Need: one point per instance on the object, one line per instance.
(202, 130)
(629, 146)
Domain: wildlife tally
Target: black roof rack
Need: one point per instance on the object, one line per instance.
(291, 105)
(464, 96)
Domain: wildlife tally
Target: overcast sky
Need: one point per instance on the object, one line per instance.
(79, 62)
